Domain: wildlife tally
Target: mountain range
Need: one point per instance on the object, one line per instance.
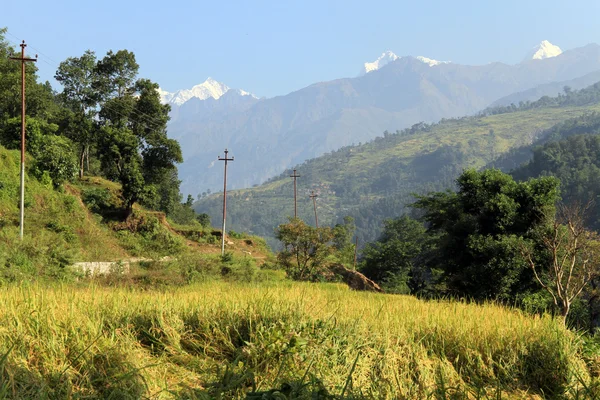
(269, 135)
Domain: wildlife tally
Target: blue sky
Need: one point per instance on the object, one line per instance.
(274, 47)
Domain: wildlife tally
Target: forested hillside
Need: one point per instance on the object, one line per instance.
(375, 181)
(573, 156)
(277, 133)
(105, 121)
(101, 176)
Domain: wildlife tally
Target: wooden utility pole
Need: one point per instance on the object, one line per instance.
(355, 250)
(23, 61)
(224, 201)
(294, 175)
(314, 196)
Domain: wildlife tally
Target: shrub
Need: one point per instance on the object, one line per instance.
(55, 158)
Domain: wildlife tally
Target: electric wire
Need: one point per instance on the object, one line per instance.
(148, 120)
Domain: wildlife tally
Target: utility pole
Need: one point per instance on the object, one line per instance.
(224, 201)
(294, 175)
(355, 250)
(314, 196)
(23, 61)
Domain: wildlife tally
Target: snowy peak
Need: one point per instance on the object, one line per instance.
(543, 50)
(384, 59)
(430, 62)
(207, 89)
(388, 57)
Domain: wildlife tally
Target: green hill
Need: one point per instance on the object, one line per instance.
(374, 181)
(83, 221)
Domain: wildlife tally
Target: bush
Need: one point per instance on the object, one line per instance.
(98, 200)
(203, 219)
(56, 158)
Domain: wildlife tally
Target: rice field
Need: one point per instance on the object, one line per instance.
(278, 340)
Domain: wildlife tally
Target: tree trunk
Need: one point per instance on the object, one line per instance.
(81, 162)
(87, 157)
(564, 311)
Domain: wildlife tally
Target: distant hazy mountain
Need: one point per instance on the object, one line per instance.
(268, 135)
(548, 89)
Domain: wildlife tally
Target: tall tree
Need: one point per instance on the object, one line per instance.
(134, 134)
(78, 76)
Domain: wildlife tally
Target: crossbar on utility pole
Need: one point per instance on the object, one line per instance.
(294, 175)
(314, 196)
(224, 200)
(23, 60)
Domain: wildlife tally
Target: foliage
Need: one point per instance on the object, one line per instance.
(56, 159)
(585, 96)
(398, 258)
(480, 228)
(376, 181)
(305, 249)
(78, 75)
(204, 220)
(342, 240)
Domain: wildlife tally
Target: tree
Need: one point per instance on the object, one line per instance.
(78, 76)
(480, 228)
(134, 136)
(305, 249)
(203, 219)
(571, 257)
(57, 159)
(342, 240)
(396, 259)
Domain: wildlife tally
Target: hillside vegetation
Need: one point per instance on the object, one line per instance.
(297, 340)
(84, 221)
(376, 180)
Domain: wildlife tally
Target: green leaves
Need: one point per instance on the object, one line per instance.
(480, 227)
(305, 249)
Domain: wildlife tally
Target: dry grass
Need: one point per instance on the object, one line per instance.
(224, 340)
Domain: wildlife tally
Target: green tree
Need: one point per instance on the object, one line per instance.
(134, 137)
(203, 219)
(57, 159)
(480, 228)
(342, 240)
(305, 249)
(397, 259)
(78, 76)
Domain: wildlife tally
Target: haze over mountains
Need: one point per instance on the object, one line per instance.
(269, 135)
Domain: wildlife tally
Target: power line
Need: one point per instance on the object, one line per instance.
(45, 58)
(149, 120)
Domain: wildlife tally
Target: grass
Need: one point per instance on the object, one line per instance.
(239, 340)
(58, 229)
(84, 221)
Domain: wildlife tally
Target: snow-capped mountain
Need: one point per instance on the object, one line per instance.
(207, 89)
(389, 57)
(270, 135)
(543, 50)
(383, 59)
(431, 62)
